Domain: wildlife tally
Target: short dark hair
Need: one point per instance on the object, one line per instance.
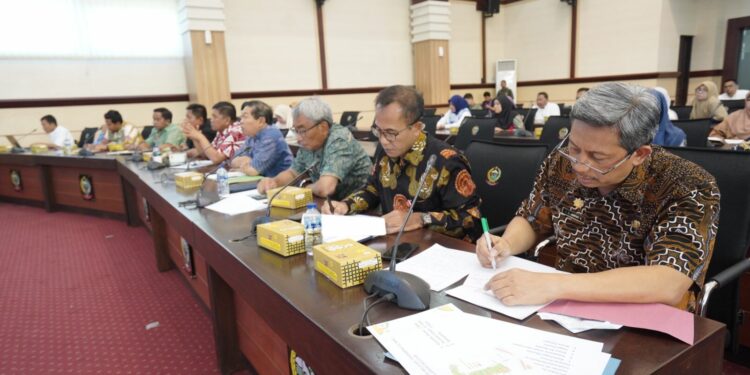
(49, 119)
(226, 109)
(543, 94)
(410, 100)
(165, 113)
(730, 80)
(198, 110)
(259, 109)
(468, 95)
(486, 93)
(113, 116)
(584, 89)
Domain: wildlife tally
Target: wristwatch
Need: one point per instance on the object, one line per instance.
(426, 219)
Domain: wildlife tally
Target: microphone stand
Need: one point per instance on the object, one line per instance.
(410, 291)
(267, 217)
(83, 151)
(18, 149)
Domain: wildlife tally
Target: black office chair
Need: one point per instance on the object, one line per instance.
(146, 131)
(696, 131)
(683, 112)
(732, 172)
(504, 175)
(565, 110)
(555, 129)
(428, 112)
(349, 119)
(474, 129)
(479, 113)
(87, 136)
(733, 105)
(430, 124)
(528, 119)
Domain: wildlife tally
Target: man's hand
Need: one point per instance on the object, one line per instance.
(339, 208)
(266, 184)
(500, 250)
(190, 131)
(240, 162)
(394, 219)
(520, 287)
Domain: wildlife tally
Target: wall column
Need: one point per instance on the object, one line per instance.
(202, 27)
(430, 36)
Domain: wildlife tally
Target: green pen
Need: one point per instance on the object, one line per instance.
(486, 229)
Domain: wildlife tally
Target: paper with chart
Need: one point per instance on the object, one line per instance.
(238, 203)
(445, 340)
(440, 266)
(473, 291)
(354, 227)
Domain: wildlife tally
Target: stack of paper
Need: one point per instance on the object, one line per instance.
(354, 227)
(446, 340)
(194, 164)
(440, 266)
(239, 203)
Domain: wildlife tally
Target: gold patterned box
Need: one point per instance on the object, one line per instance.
(39, 149)
(346, 262)
(292, 197)
(115, 147)
(4, 149)
(285, 237)
(188, 180)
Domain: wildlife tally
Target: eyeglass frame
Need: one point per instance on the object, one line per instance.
(391, 136)
(573, 161)
(303, 133)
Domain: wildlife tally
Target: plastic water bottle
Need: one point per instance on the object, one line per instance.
(311, 219)
(68, 146)
(156, 151)
(222, 182)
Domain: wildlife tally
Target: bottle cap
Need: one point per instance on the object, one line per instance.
(312, 205)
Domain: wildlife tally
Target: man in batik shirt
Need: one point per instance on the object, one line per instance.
(633, 222)
(447, 202)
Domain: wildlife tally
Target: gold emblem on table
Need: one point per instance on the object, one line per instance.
(578, 203)
(15, 180)
(86, 186)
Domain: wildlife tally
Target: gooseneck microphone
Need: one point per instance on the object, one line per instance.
(17, 149)
(411, 291)
(83, 151)
(267, 217)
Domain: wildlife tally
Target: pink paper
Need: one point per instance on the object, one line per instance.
(653, 316)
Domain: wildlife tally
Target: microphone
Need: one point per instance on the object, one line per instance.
(267, 218)
(17, 149)
(83, 151)
(411, 291)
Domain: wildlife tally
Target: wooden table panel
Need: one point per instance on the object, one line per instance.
(31, 181)
(259, 343)
(198, 281)
(107, 189)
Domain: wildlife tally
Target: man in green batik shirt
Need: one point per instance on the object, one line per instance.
(165, 133)
(447, 202)
(342, 165)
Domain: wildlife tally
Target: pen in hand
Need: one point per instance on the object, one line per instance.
(330, 205)
(486, 229)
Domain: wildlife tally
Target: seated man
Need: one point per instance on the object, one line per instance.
(447, 203)
(197, 118)
(545, 109)
(736, 125)
(115, 131)
(340, 163)
(229, 138)
(470, 100)
(57, 134)
(732, 91)
(164, 134)
(269, 154)
(634, 223)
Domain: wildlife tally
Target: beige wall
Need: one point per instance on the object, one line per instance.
(466, 43)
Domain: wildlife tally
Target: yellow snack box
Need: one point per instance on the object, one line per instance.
(346, 262)
(292, 197)
(188, 180)
(284, 237)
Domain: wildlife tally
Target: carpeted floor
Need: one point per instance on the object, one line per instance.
(76, 294)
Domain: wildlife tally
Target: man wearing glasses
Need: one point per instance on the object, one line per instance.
(447, 203)
(633, 222)
(342, 163)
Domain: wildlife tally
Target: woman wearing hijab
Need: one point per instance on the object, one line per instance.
(282, 117)
(667, 134)
(706, 103)
(672, 114)
(502, 110)
(736, 125)
(453, 118)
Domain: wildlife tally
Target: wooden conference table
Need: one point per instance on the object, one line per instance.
(262, 305)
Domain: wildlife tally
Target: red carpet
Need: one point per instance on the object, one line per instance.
(76, 293)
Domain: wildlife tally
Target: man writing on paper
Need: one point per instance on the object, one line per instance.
(633, 222)
(342, 163)
(447, 203)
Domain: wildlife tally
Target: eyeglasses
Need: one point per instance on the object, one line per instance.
(701, 89)
(390, 135)
(302, 132)
(575, 161)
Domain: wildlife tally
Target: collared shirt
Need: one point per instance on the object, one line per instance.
(551, 109)
(342, 157)
(448, 195)
(454, 120)
(665, 213)
(739, 94)
(59, 136)
(229, 140)
(127, 135)
(170, 134)
(269, 152)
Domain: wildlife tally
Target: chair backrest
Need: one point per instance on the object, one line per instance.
(430, 124)
(87, 135)
(428, 112)
(504, 175)
(554, 130)
(733, 105)
(731, 169)
(284, 132)
(474, 129)
(528, 119)
(349, 119)
(696, 131)
(565, 110)
(479, 113)
(146, 131)
(683, 112)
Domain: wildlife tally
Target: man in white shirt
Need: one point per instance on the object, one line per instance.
(545, 109)
(732, 91)
(57, 134)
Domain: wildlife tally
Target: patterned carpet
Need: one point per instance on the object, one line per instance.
(76, 294)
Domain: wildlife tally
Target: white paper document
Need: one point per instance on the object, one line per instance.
(230, 174)
(445, 340)
(440, 266)
(578, 325)
(473, 291)
(194, 164)
(238, 203)
(355, 227)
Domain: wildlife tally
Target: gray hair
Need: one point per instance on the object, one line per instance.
(631, 109)
(314, 109)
